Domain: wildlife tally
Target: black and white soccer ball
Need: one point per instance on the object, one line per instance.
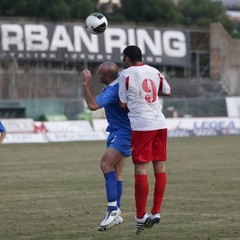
(96, 23)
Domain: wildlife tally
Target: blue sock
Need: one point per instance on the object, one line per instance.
(119, 192)
(111, 190)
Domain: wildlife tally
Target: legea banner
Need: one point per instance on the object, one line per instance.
(29, 131)
(71, 42)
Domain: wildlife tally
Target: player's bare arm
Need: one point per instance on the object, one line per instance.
(87, 91)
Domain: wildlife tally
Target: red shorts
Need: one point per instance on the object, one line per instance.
(149, 146)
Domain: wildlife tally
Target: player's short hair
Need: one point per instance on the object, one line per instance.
(133, 52)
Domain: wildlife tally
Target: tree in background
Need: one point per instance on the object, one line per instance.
(54, 10)
(203, 13)
(200, 13)
(155, 12)
(80, 9)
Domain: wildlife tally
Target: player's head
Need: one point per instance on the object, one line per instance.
(131, 55)
(107, 72)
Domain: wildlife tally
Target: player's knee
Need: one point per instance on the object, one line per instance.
(159, 167)
(106, 166)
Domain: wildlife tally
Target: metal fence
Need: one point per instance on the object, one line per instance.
(195, 107)
(172, 107)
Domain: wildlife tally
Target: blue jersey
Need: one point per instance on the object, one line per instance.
(2, 128)
(117, 117)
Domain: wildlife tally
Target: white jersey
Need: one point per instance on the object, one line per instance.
(138, 88)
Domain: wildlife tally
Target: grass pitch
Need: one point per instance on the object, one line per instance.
(56, 191)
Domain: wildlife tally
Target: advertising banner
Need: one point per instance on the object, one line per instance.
(71, 42)
(186, 127)
(63, 126)
(25, 138)
(41, 132)
(24, 125)
(69, 136)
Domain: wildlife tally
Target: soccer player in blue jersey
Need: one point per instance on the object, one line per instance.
(2, 133)
(118, 141)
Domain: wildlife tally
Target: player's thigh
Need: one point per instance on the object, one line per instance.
(159, 147)
(120, 141)
(142, 146)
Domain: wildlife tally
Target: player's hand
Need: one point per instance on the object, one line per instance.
(86, 76)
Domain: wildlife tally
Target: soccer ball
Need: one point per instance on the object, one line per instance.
(96, 23)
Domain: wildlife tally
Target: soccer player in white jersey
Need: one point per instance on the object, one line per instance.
(139, 88)
(2, 133)
(118, 141)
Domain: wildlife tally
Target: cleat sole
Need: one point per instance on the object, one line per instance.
(111, 225)
(156, 221)
(147, 224)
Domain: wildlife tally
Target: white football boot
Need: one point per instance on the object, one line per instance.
(118, 221)
(155, 218)
(142, 223)
(110, 219)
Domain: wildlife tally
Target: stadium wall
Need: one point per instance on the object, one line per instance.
(225, 60)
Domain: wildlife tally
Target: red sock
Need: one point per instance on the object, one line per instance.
(141, 194)
(159, 189)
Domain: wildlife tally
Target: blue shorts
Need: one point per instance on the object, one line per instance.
(121, 141)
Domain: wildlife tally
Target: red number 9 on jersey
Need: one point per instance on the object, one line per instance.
(149, 88)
